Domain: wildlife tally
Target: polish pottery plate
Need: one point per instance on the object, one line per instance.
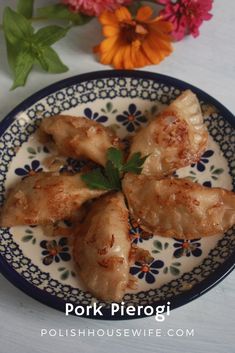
(42, 266)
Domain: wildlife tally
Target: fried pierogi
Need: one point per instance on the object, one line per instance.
(176, 138)
(178, 207)
(45, 198)
(78, 137)
(102, 247)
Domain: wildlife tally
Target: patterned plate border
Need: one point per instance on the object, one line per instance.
(179, 299)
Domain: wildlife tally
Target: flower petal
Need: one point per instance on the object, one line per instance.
(144, 13)
(110, 31)
(141, 275)
(35, 164)
(130, 127)
(134, 270)
(47, 260)
(65, 256)
(149, 278)
(178, 253)
(157, 264)
(108, 18)
(121, 118)
(43, 244)
(132, 109)
(123, 14)
(197, 252)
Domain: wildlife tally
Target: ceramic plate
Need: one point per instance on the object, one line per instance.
(181, 270)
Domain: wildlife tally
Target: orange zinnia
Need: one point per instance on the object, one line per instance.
(133, 42)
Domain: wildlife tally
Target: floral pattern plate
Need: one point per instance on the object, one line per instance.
(43, 266)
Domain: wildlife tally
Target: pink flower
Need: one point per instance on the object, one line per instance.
(186, 15)
(94, 7)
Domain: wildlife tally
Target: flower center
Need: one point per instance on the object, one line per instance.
(131, 117)
(53, 249)
(53, 252)
(145, 268)
(32, 172)
(186, 245)
(132, 30)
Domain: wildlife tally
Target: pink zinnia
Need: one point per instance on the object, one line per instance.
(186, 15)
(94, 7)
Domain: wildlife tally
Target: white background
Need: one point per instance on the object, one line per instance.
(207, 62)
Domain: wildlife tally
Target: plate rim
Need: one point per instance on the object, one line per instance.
(53, 301)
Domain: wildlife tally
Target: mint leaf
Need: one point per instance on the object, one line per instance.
(62, 12)
(96, 180)
(23, 66)
(12, 52)
(113, 176)
(49, 35)
(25, 8)
(135, 163)
(50, 61)
(16, 27)
(116, 156)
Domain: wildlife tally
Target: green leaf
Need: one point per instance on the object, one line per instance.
(165, 270)
(61, 12)
(157, 244)
(24, 64)
(28, 231)
(65, 275)
(166, 246)
(49, 35)
(218, 171)
(110, 178)
(174, 271)
(12, 52)
(25, 8)
(50, 61)
(135, 163)
(155, 251)
(16, 27)
(116, 157)
(109, 106)
(96, 180)
(27, 238)
(113, 176)
(31, 150)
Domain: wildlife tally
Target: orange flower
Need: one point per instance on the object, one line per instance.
(133, 42)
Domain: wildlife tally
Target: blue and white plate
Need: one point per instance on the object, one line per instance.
(42, 266)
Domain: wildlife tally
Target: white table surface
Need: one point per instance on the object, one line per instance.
(207, 62)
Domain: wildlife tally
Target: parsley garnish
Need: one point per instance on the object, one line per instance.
(109, 178)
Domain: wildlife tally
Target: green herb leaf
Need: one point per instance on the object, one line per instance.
(61, 12)
(116, 157)
(16, 27)
(50, 61)
(49, 35)
(135, 163)
(12, 52)
(25, 8)
(109, 178)
(113, 176)
(23, 66)
(96, 180)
